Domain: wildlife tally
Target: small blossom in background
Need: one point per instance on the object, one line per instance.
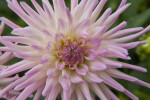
(69, 51)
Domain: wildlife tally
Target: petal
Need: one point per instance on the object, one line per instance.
(103, 18)
(85, 90)
(54, 92)
(50, 83)
(65, 73)
(115, 29)
(111, 19)
(52, 72)
(93, 43)
(138, 68)
(96, 89)
(111, 82)
(34, 70)
(29, 90)
(111, 63)
(9, 23)
(97, 66)
(90, 55)
(93, 78)
(108, 93)
(65, 83)
(60, 64)
(59, 38)
(131, 37)
(97, 10)
(79, 94)
(125, 32)
(129, 94)
(82, 69)
(132, 44)
(75, 78)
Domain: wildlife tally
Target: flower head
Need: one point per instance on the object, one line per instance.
(69, 52)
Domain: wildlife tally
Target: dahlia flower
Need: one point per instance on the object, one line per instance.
(69, 51)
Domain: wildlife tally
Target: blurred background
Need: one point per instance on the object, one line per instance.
(137, 15)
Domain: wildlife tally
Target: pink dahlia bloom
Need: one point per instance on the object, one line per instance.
(69, 51)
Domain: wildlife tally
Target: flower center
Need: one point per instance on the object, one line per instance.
(71, 51)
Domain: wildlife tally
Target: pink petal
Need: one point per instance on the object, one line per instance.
(90, 55)
(85, 90)
(74, 78)
(108, 93)
(38, 94)
(131, 37)
(82, 69)
(138, 68)
(115, 15)
(97, 66)
(93, 43)
(9, 23)
(96, 89)
(103, 18)
(60, 64)
(29, 90)
(50, 83)
(54, 92)
(34, 70)
(97, 10)
(115, 29)
(129, 94)
(126, 31)
(79, 94)
(111, 82)
(93, 78)
(111, 63)
(132, 44)
(65, 83)
(52, 72)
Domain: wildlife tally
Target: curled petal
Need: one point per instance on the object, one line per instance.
(60, 64)
(82, 69)
(90, 55)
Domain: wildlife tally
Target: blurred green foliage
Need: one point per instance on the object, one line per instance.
(137, 15)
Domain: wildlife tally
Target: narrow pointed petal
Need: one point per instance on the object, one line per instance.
(131, 37)
(98, 91)
(85, 90)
